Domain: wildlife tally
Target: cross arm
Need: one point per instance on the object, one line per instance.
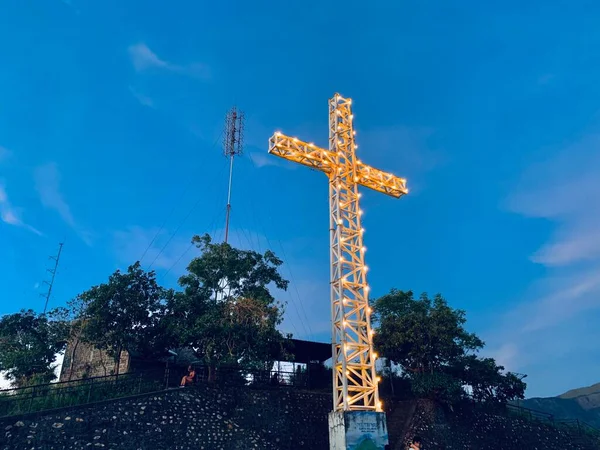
(380, 181)
(294, 149)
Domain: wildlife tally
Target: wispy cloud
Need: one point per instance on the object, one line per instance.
(4, 154)
(263, 159)
(143, 99)
(144, 59)
(47, 183)
(563, 190)
(11, 215)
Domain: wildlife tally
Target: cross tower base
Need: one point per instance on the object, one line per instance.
(357, 430)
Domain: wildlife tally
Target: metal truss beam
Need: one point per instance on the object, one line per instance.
(354, 377)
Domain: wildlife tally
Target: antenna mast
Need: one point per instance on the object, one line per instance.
(53, 272)
(233, 142)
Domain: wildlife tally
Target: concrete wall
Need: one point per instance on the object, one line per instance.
(83, 360)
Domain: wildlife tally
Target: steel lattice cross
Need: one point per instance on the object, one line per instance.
(354, 377)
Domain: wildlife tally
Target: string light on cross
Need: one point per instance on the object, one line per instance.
(354, 376)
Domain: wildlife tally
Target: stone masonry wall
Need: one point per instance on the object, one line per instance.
(204, 417)
(467, 429)
(191, 418)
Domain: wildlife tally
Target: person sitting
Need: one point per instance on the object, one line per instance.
(189, 378)
(416, 443)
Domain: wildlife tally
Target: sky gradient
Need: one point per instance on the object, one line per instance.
(110, 134)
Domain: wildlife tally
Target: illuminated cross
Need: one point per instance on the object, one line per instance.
(354, 377)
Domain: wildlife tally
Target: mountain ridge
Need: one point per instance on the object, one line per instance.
(576, 404)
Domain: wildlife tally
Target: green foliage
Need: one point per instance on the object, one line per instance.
(438, 386)
(226, 312)
(428, 339)
(79, 392)
(487, 381)
(421, 335)
(124, 313)
(29, 343)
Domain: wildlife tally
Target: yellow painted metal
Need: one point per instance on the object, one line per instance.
(354, 377)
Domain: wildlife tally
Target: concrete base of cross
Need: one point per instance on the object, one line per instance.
(357, 430)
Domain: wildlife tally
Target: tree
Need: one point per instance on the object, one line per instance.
(487, 381)
(421, 335)
(226, 311)
(29, 343)
(124, 313)
(428, 339)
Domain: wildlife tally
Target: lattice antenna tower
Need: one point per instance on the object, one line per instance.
(233, 143)
(52, 272)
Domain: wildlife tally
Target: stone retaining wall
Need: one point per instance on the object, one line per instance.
(190, 418)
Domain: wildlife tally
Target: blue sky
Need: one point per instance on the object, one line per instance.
(110, 121)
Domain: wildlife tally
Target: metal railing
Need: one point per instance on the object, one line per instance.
(583, 428)
(43, 397)
(575, 426)
(236, 376)
(531, 414)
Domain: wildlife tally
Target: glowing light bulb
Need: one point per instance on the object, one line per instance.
(380, 405)
(360, 212)
(363, 249)
(359, 195)
(358, 161)
(369, 309)
(354, 133)
(378, 379)
(351, 116)
(311, 145)
(339, 222)
(356, 179)
(362, 230)
(365, 268)
(345, 323)
(349, 101)
(367, 288)
(355, 146)
(374, 355)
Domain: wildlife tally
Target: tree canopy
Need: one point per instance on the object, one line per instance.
(124, 313)
(428, 340)
(29, 343)
(226, 311)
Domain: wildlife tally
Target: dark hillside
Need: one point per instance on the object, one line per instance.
(578, 404)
